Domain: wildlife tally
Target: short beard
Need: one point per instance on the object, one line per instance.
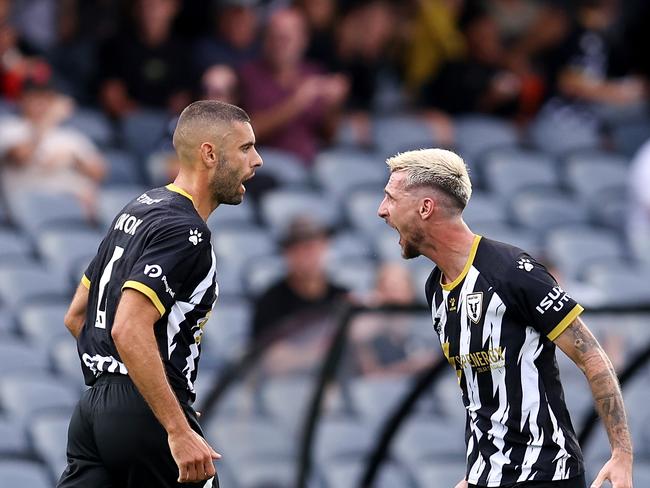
(410, 249)
(225, 185)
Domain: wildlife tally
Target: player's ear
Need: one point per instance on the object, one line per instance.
(209, 154)
(426, 208)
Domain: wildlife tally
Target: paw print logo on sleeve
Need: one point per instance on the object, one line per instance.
(525, 264)
(195, 236)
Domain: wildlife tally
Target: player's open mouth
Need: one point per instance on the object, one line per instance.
(245, 180)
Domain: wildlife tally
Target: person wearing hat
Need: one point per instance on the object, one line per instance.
(306, 287)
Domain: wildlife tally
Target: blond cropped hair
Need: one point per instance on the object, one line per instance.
(436, 168)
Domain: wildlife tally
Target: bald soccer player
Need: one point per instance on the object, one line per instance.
(139, 312)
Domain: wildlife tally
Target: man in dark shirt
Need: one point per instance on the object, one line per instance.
(305, 288)
(147, 66)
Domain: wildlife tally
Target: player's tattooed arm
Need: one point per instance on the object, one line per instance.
(581, 346)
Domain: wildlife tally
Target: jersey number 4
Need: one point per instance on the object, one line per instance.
(100, 316)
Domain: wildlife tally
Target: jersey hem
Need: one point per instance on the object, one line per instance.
(566, 321)
(85, 282)
(148, 292)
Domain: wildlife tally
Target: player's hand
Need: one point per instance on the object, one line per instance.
(618, 470)
(193, 456)
(461, 484)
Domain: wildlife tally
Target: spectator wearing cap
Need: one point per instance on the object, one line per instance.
(234, 41)
(41, 154)
(294, 106)
(306, 287)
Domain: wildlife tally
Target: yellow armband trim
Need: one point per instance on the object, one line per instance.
(85, 282)
(148, 292)
(566, 321)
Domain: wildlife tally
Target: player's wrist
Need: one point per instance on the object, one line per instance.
(623, 454)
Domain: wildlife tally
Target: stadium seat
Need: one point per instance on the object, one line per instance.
(143, 130)
(237, 245)
(123, 168)
(346, 474)
(35, 211)
(283, 166)
(542, 211)
(24, 474)
(571, 249)
(63, 249)
(641, 473)
(227, 332)
(590, 173)
(17, 355)
(516, 236)
(7, 324)
(484, 207)
(49, 434)
(394, 134)
(40, 323)
(361, 211)
(27, 283)
(476, 134)
(349, 244)
(629, 137)
(342, 437)
(260, 273)
(413, 442)
(65, 359)
(358, 275)
(504, 177)
(238, 439)
(339, 172)
(229, 277)
(274, 395)
(23, 396)
(280, 207)
(622, 283)
(113, 199)
(441, 474)
(264, 473)
(93, 124)
(231, 215)
(561, 132)
(374, 398)
(13, 245)
(611, 208)
(13, 439)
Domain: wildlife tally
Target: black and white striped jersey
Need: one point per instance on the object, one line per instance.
(159, 245)
(496, 323)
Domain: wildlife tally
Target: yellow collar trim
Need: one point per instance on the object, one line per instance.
(179, 190)
(468, 264)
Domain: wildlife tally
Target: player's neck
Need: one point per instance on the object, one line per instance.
(201, 198)
(450, 249)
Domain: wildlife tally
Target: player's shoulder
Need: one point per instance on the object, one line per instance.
(171, 214)
(433, 282)
(498, 256)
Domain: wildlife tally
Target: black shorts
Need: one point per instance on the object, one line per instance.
(115, 441)
(575, 482)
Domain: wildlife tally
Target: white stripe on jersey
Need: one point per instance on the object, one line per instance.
(530, 401)
(196, 297)
(492, 330)
(471, 379)
(562, 455)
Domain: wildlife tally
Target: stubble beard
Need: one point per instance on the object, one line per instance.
(225, 185)
(410, 249)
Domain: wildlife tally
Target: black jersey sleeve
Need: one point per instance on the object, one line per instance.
(175, 260)
(541, 302)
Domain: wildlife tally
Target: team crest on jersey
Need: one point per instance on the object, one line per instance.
(475, 306)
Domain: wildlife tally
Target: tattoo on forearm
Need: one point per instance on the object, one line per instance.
(604, 386)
